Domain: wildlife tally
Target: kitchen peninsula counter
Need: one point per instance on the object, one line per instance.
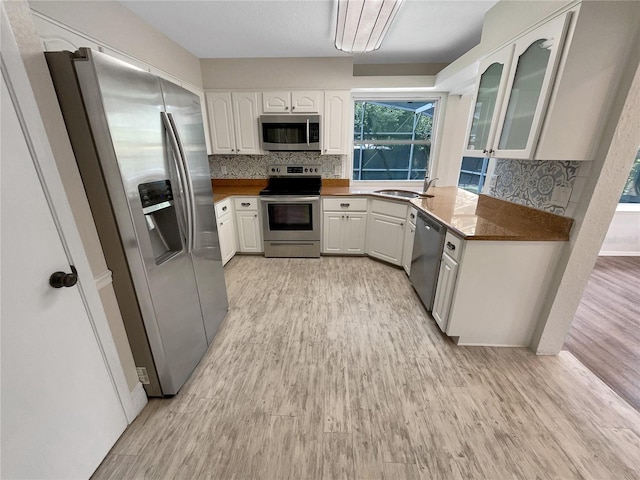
(471, 216)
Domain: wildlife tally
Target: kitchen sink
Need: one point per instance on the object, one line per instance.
(399, 193)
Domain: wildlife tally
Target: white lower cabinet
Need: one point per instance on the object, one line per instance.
(386, 238)
(444, 291)
(248, 224)
(344, 230)
(226, 230)
(386, 231)
(409, 235)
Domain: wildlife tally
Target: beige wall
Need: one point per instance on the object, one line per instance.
(282, 73)
(114, 25)
(29, 43)
(505, 20)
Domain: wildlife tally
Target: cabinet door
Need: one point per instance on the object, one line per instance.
(530, 82)
(276, 102)
(249, 238)
(444, 291)
(227, 236)
(481, 130)
(385, 238)
(337, 127)
(245, 115)
(354, 233)
(305, 101)
(407, 250)
(55, 38)
(332, 228)
(220, 110)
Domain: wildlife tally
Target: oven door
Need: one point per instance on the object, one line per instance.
(291, 218)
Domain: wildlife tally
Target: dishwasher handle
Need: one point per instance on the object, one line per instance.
(430, 223)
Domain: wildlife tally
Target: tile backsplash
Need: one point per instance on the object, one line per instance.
(255, 166)
(531, 183)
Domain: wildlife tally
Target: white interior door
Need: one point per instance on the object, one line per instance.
(60, 410)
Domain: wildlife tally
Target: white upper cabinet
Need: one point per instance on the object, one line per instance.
(298, 101)
(276, 102)
(221, 127)
(490, 88)
(512, 94)
(337, 124)
(531, 76)
(55, 38)
(306, 101)
(233, 122)
(245, 113)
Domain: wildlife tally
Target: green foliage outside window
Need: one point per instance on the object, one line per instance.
(392, 140)
(631, 191)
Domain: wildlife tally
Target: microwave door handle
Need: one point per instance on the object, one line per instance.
(308, 132)
(184, 215)
(182, 162)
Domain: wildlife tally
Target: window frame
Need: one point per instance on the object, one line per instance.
(440, 100)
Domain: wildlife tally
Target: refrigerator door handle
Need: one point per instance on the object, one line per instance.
(186, 204)
(189, 184)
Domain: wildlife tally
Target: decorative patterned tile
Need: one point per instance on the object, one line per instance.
(255, 166)
(531, 183)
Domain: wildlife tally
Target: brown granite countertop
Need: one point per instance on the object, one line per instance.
(471, 216)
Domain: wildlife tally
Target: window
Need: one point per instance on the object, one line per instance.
(631, 191)
(392, 139)
(473, 174)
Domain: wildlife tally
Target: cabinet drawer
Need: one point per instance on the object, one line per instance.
(393, 209)
(245, 203)
(344, 204)
(223, 207)
(453, 246)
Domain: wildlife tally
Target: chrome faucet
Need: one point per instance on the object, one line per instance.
(427, 184)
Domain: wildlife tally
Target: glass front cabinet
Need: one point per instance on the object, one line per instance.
(512, 93)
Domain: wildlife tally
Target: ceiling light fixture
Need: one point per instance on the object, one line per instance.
(362, 24)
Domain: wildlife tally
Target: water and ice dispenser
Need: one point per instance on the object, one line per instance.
(161, 218)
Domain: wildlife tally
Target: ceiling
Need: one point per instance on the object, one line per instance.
(424, 31)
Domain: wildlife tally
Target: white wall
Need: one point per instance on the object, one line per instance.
(623, 236)
(452, 141)
(116, 26)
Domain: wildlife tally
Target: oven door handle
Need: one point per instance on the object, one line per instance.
(288, 199)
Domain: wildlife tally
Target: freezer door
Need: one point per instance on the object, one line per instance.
(183, 107)
(124, 106)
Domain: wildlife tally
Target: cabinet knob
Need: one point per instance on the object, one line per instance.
(293, 108)
(347, 217)
(451, 246)
(62, 279)
(286, 108)
(224, 209)
(402, 224)
(256, 215)
(345, 205)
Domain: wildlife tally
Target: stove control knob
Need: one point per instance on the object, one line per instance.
(316, 170)
(278, 170)
(306, 170)
(273, 170)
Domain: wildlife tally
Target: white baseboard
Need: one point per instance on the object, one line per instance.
(630, 253)
(138, 400)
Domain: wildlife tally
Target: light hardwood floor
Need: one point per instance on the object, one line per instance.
(605, 334)
(330, 368)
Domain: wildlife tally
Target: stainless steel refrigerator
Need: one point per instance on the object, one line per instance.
(139, 144)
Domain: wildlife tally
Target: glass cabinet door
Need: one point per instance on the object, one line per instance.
(486, 106)
(531, 78)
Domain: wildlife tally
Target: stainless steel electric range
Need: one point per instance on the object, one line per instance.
(291, 211)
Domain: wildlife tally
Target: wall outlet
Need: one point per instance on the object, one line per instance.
(493, 181)
(560, 196)
(338, 170)
(224, 169)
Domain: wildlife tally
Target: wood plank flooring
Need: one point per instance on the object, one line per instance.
(331, 369)
(605, 334)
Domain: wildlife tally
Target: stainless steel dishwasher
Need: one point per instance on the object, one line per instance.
(425, 261)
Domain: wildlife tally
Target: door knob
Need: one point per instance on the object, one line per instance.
(62, 279)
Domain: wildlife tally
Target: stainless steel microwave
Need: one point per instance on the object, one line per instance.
(290, 132)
